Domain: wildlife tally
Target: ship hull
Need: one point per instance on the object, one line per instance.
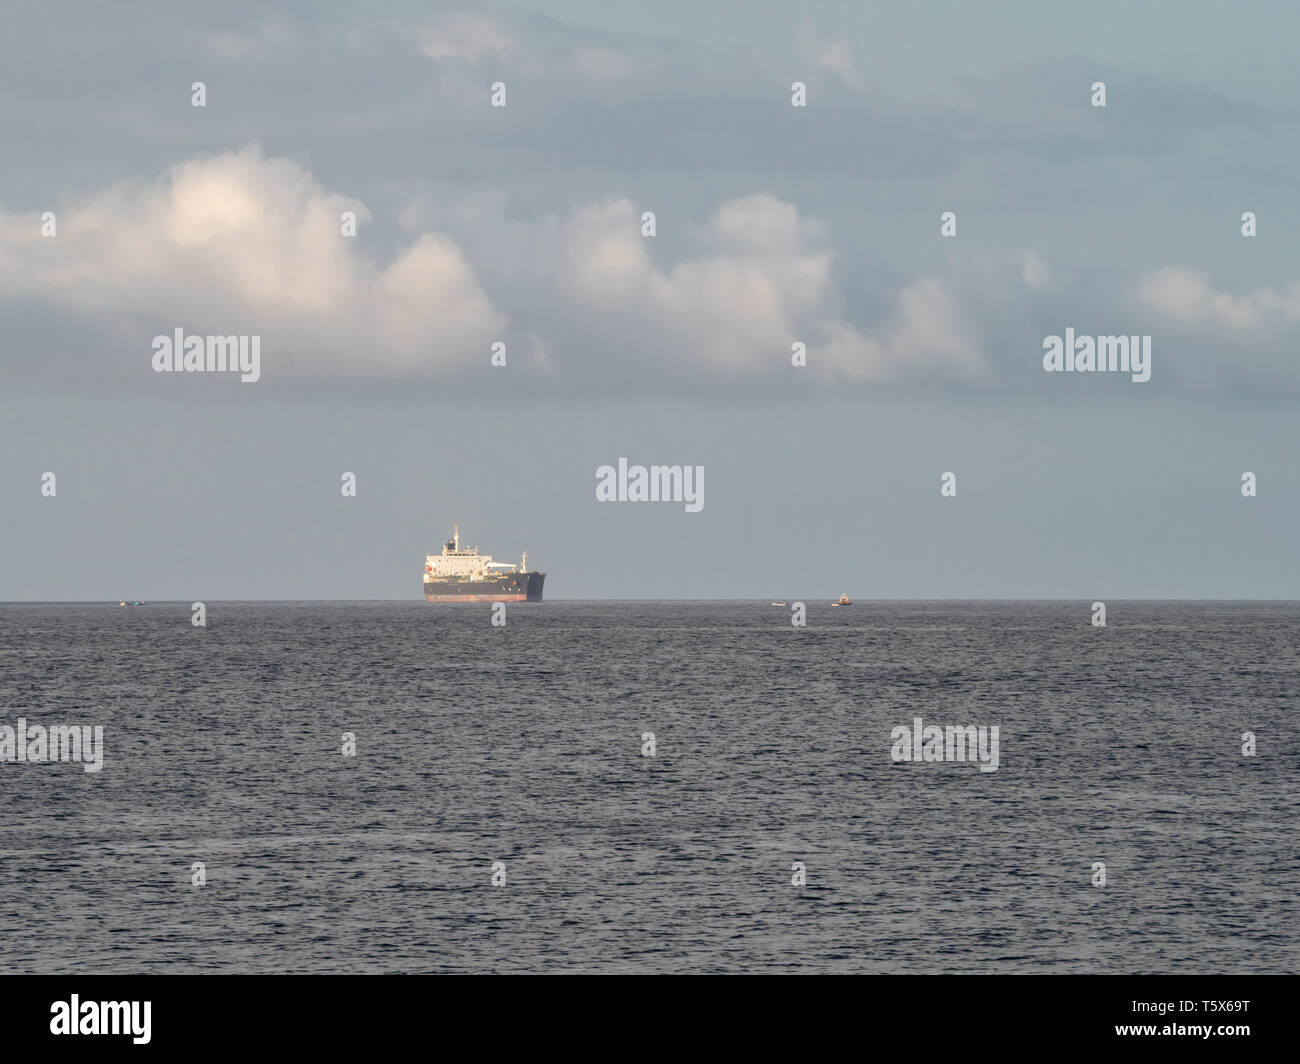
(513, 587)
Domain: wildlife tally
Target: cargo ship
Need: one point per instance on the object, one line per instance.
(462, 574)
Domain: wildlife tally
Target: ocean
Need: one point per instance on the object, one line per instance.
(500, 813)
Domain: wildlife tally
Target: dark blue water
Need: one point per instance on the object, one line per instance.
(523, 745)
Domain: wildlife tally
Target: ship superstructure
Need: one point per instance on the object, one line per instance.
(462, 574)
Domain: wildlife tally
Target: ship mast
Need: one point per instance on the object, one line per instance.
(455, 537)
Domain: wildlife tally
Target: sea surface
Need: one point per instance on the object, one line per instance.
(523, 745)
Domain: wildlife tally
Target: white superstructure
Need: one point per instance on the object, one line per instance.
(463, 563)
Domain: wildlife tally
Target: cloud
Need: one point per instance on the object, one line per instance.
(733, 310)
(464, 36)
(835, 56)
(1035, 272)
(730, 314)
(553, 49)
(1186, 296)
(270, 38)
(762, 222)
(238, 243)
(602, 64)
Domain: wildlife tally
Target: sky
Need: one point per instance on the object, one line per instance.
(127, 212)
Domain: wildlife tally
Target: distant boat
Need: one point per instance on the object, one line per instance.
(778, 603)
(844, 601)
(130, 603)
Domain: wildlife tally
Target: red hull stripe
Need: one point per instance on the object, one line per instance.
(476, 598)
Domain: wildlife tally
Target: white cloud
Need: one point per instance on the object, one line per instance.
(730, 311)
(762, 221)
(1035, 272)
(1188, 296)
(238, 243)
(464, 36)
(556, 51)
(271, 38)
(927, 337)
(835, 56)
(736, 311)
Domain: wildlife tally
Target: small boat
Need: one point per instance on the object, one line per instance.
(844, 601)
(778, 603)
